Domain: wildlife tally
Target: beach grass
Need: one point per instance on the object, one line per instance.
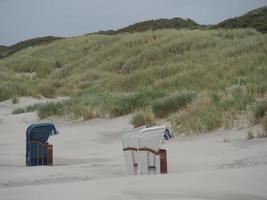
(197, 79)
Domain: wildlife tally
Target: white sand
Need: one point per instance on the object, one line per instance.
(89, 164)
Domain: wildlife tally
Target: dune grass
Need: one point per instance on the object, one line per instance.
(264, 123)
(198, 79)
(30, 108)
(164, 106)
(143, 117)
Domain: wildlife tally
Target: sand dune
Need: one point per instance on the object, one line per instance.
(88, 164)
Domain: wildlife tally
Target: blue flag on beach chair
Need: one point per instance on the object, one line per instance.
(168, 134)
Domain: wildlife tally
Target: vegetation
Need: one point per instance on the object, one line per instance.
(255, 19)
(9, 50)
(143, 117)
(250, 135)
(158, 24)
(15, 100)
(164, 106)
(259, 109)
(197, 79)
(30, 108)
(138, 120)
(175, 23)
(264, 123)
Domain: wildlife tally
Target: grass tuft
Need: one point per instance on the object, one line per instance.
(143, 117)
(264, 124)
(15, 99)
(30, 108)
(259, 109)
(49, 109)
(250, 135)
(138, 119)
(164, 106)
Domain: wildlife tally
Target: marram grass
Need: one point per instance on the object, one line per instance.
(121, 74)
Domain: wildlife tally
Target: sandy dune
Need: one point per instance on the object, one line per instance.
(89, 164)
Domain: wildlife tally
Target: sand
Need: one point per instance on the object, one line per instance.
(89, 164)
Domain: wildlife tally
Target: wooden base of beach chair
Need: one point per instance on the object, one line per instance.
(163, 161)
(49, 154)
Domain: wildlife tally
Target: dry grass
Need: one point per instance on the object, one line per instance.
(120, 74)
(264, 124)
(250, 135)
(143, 117)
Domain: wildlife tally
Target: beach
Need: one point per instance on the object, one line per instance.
(89, 163)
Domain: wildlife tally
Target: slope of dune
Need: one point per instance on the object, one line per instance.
(214, 77)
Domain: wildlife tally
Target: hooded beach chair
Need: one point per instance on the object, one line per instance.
(142, 152)
(38, 151)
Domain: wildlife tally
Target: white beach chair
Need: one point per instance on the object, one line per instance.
(130, 147)
(149, 142)
(141, 149)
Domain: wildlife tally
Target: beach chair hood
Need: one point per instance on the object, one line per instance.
(36, 137)
(41, 132)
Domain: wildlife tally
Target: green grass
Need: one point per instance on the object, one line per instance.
(259, 109)
(170, 71)
(175, 23)
(49, 109)
(164, 106)
(254, 19)
(143, 117)
(9, 50)
(210, 111)
(15, 100)
(250, 135)
(30, 108)
(138, 120)
(264, 123)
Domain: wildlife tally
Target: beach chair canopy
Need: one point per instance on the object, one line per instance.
(150, 137)
(40, 132)
(130, 137)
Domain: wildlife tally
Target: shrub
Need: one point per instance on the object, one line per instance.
(138, 119)
(237, 102)
(226, 140)
(15, 99)
(173, 103)
(88, 113)
(250, 135)
(143, 117)
(58, 64)
(49, 109)
(82, 109)
(125, 104)
(264, 123)
(16, 89)
(30, 108)
(47, 90)
(149, 116)
(19, 111)
(197, 122)
(259, 109)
